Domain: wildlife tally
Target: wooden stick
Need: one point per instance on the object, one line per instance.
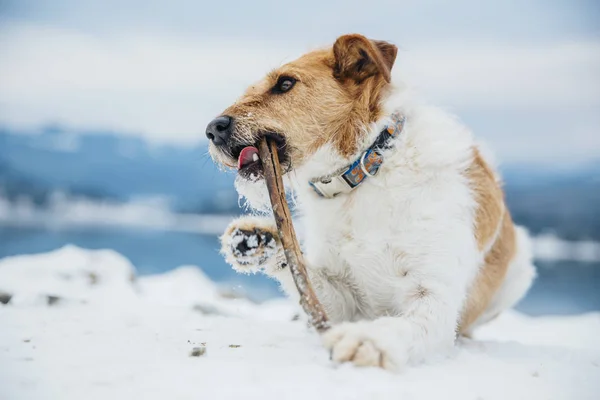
(287, 235)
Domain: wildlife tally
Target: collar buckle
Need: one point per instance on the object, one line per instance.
(330, 187)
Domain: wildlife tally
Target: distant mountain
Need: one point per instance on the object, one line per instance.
(552, 174)
(107, 166)
(564, 201)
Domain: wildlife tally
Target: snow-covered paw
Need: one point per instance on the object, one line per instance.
(359, 344)
(249, 249)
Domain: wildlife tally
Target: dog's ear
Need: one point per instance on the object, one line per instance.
(358, 58)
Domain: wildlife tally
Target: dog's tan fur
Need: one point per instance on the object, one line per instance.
(318, 75)
(495, 235)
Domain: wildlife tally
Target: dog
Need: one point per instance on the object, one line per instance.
(407, 238)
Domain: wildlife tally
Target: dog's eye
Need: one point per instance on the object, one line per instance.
(284, 84)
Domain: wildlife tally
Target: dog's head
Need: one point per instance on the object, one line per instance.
(326, 96)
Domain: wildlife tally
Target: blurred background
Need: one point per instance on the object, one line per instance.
(103, 106)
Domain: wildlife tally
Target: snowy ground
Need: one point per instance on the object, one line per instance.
(79, 326)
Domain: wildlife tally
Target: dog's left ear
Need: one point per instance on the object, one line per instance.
(358, 58)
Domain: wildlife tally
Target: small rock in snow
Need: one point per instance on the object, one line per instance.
(198, 351)
(5, 298)
(52, 300)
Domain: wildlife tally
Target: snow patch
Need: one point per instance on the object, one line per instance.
(551, 248)
(64, 212)
(72, 275)
(67, 274)
(118, 338)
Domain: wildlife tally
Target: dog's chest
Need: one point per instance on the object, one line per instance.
(380, 237)
(366, 239)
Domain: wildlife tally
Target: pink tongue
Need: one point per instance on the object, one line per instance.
(247, 156)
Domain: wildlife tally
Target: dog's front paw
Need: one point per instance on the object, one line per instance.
(363, 344)
(249, 245)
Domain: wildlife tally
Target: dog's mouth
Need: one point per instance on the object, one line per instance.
(249, 164)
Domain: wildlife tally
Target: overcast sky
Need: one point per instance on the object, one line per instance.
(525, 75)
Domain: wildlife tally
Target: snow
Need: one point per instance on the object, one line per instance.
(114, 337)
(552, 248)
(69, 274)
(65, 212)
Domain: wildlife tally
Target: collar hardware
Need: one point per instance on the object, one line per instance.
(348, 178)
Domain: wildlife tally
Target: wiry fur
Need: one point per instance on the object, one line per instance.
(416, 254)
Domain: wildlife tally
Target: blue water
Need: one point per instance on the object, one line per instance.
(561, 287)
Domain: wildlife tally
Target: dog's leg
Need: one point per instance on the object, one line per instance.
(422, 319)
(251, 244)
(335, 292)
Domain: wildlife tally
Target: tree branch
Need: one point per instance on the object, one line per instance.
(287, 235)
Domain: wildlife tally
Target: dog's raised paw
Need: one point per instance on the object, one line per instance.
(247, 250)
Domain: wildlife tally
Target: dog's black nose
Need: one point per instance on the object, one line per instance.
(219, 130)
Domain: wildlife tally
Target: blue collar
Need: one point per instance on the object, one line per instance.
(348, 178)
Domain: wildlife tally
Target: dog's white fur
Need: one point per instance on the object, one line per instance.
(393, 261)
